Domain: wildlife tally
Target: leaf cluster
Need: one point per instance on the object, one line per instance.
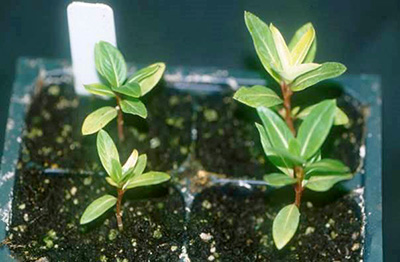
(292, 66)
(111, 66)
(123, 177)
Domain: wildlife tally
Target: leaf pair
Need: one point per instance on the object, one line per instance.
(291, 63)
(111, 66)
(286, 151)
(125, 177)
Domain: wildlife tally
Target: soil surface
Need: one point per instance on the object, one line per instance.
(233, 223)
(199, 135)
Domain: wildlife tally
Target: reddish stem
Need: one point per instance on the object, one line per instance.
(298, 188)
(287, 95)
(119, 215)
(120, 121)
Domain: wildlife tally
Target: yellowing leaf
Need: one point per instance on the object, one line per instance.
(296, 38)
(281, 47)
(97, 208)
(285, 225)
(98, 119)
(257, 96)
(302, 46)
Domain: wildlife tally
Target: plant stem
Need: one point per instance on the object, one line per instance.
(119, 215)
(298, 188)
(120, 121)
(287, 104)
(298, 170)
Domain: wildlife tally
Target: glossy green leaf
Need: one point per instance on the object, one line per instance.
(279, 180)
(99, 89)
(315, 128)
(148, 77)
(263, 43)
(303, 45)
(324, 183)
(326, 167)
(116, 170)
(285, 225)
(133, 106)
(147, 179)
(294, 147)
(325, 71)
(110, 63)
(289, 159)
(130, 89)
(316, 157)
(278, 132)
(98, 119)
(97, 208)
(106, 150)
(257, 96)
(281, 47)
(141, 165)
(278, 162)
(340, 116)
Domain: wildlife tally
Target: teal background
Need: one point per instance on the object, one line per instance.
(364, 35)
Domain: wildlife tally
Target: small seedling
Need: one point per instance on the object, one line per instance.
(125, 177)
(111, 66)
(296, 153)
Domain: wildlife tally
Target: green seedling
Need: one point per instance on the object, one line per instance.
(111, 66)
(295, 152)
(123, 178)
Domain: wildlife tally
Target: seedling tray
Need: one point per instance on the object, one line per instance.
(205, 87)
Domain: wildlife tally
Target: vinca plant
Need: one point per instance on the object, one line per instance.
(111, 66)
(122, 177)
(292, 138)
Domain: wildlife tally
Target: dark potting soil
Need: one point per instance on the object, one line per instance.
(53, 135)
(45, 221)
(228, 142)
(233, 223)
(47, 206)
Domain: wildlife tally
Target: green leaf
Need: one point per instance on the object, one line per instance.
(324, 183)
(148, 77)
(316, 157)
(98, 119)
(110, 63)
(130, 162)
(263, 43)
(99, 89)
(147, 179)
(130, 89)
(116, 170)
(257, 96)
(106, 150)
(97, 208)
(325, 71)
(279, 180)
(326, 167)
(285, 225)
(141, 165)
(281, 47)
(289, 159)
(303, 45)
(111, 181)
(278, 132)
(315, 128)
(133, 106)
(278, 162)
(294, 147)
(340, 116)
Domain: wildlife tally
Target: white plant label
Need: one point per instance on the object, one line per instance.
(88, 24)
